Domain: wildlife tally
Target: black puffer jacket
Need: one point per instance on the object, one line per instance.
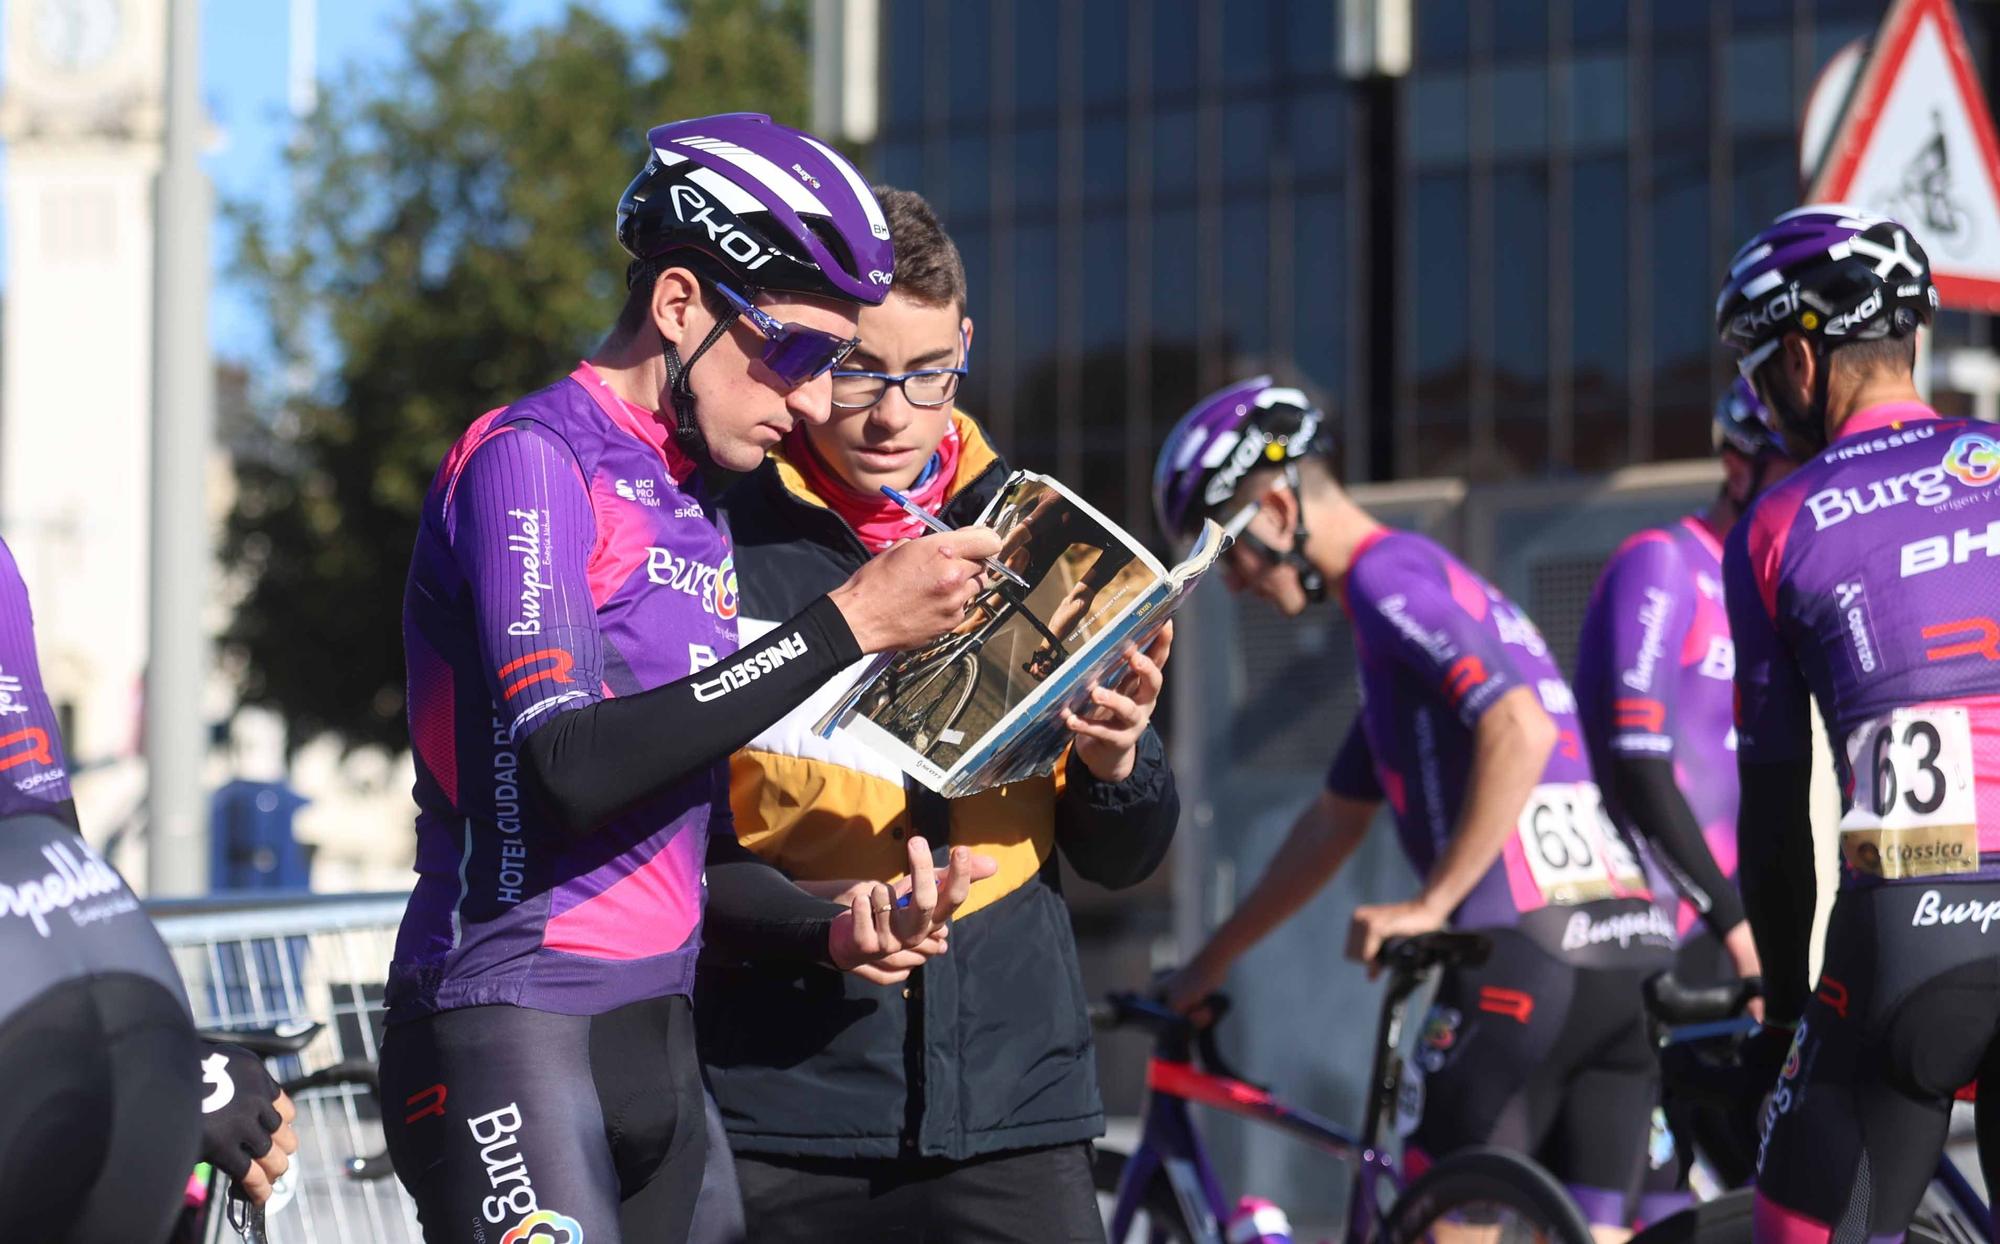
(987, 1048)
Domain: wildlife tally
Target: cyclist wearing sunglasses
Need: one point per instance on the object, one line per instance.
(1867, 582)
(956, 1102)
(577, 685)
(1469, 732)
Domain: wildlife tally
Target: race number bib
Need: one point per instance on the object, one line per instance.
(1573, 852)
(1913, 810)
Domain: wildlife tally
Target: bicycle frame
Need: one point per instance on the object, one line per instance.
(1012, 601)
(1170, 1142)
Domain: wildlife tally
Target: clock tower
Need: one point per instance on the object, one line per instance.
(82, 117)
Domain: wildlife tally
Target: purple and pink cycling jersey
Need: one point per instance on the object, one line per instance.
(565, 556)
(1437, 647)
(1656, 675)
(33, 774)
(1870, 580)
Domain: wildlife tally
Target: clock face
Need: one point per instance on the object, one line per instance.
(75, 35)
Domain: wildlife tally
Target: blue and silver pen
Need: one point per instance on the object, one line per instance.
(935, 523)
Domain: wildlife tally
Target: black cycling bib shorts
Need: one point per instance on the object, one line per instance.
(1538, 1055)
(100, 1122)
(1907, 1011)
(514, 1126)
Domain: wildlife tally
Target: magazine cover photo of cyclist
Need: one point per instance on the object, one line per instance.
(1079, 575)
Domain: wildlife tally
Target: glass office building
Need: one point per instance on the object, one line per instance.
(1155, 196)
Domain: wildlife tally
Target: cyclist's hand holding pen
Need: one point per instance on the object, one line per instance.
(916, 591)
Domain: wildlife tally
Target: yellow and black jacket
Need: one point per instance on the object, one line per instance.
(982, 1050)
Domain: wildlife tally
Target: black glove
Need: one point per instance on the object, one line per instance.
(239, 1113)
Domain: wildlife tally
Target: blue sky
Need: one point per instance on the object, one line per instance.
(245, 48)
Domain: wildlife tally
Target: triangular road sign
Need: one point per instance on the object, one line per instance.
(1916, 142)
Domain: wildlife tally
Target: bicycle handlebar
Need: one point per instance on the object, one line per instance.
(349, 1071)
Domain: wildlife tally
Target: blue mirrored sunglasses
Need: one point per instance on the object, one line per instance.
(793, 352)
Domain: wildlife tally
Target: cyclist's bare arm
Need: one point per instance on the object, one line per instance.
(1510, 749)
(1325, 834)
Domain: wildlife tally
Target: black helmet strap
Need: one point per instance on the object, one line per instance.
(686, 430)
(1310, 578)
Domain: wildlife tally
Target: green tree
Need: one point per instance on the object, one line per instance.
(450, 247)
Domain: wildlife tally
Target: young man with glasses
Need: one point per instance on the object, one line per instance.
(955, 1102)
(576, 688)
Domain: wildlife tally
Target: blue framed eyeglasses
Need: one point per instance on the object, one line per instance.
(931, 386)
(793, 352)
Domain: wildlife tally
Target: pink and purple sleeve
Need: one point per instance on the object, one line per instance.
(1648, 605)
(522, 528)
(1407, 613)
(34, 776)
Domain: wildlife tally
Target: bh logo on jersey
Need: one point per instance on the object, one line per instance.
(545, 1226)
(1974, 459)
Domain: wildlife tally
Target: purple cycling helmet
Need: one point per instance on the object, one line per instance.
(1832, 274)
(1744, 424)
(772, 207)
(1228, 433)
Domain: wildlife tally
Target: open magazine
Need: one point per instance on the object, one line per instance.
(982, 705)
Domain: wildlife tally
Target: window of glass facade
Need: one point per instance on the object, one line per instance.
(1107, 43)
(1319, 291)
(1557, 158)
(969, 26)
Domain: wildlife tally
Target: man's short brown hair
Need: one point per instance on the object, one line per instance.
(928, 269)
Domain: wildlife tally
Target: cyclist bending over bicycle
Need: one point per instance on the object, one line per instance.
(1470, 732)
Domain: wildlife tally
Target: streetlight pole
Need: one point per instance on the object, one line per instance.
(183, 432)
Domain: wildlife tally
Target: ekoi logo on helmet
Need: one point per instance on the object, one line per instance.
(545, 1226)
(693, 208)
(1974, 458)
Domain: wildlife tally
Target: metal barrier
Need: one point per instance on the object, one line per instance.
(262, 960)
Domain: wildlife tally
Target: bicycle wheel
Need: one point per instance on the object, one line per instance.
(934, 706)
(1501, 1195)
(1158, 1220)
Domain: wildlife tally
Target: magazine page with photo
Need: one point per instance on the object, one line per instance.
(982, 705)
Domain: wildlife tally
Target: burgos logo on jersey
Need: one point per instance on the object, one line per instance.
(1972, 460)
(714, 586)
(545, 1226)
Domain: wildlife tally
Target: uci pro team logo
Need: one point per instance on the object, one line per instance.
(1974, 458)
(545, 1226)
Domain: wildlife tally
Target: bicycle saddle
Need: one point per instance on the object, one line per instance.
(287, 1036)
(1445, 948)
(1677, 1005)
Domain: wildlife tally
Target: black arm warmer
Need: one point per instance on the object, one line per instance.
(1116, 833)
(1645, 790)
(1775, 844)
(755, 912)
(587, 766)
